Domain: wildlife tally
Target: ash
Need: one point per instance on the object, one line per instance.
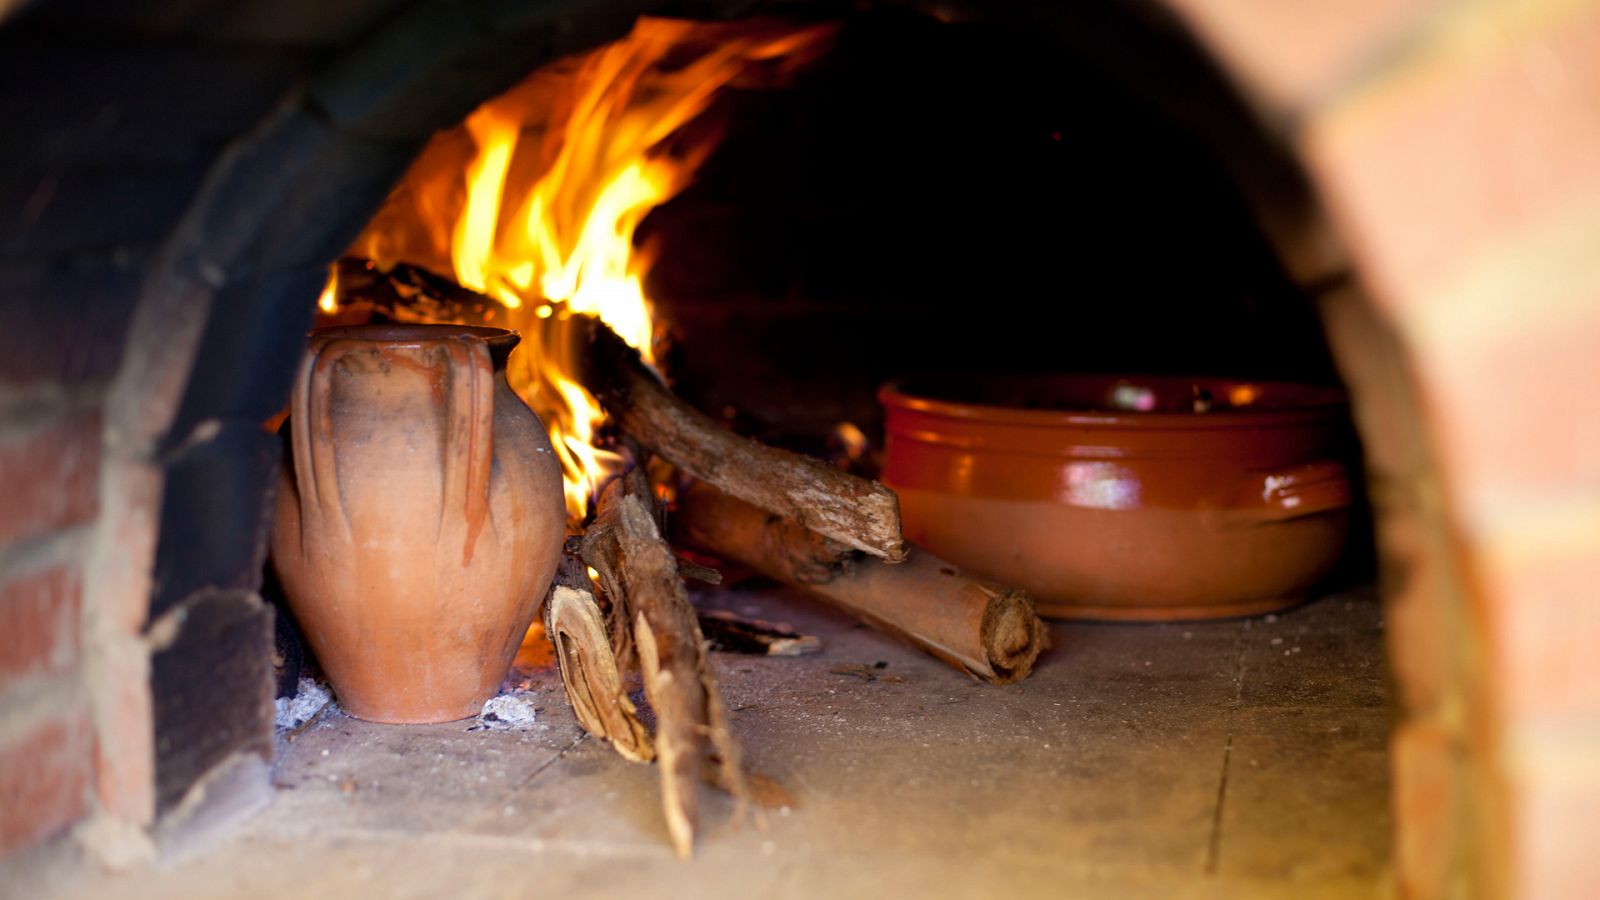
(513, 711)
(309, 699)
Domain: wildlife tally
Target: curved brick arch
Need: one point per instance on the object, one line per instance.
(1457, 150)
(226, 296)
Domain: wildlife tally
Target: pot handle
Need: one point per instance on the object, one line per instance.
(1303, 490)
(469, 441)
(316, 471)
(468, 376)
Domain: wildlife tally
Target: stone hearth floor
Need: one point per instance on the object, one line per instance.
(1241, 758)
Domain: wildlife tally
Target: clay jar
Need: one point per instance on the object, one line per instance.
(1130, 498)
(419, 518)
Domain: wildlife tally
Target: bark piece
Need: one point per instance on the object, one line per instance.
(640, 573)
(576, 624)
(853, 511)
(688, 568)
(983, 628)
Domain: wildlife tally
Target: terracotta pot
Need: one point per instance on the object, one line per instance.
(420, 518)
(1118, 498)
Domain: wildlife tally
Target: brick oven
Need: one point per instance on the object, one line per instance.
(1401, 197)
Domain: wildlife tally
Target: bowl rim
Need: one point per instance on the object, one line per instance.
(900, 395)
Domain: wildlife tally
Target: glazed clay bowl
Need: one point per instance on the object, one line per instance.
(1126, 498)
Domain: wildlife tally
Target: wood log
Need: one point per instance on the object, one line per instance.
(983, 628)
(407, 293)
(853, 511)
(640, 572)
(690, 569)
(728, 633)
(576, 623)
(601, 549)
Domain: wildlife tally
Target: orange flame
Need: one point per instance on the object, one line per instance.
(558, 173)
(329, 301)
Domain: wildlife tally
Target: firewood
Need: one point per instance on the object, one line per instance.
(408, 293)
(688, 568)
(641, 573)
(576, 624)
(853, 511)
(985, 629)
(729, 633)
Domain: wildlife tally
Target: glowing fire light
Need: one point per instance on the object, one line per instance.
(486, 177)
(329, 301)
(538, 206)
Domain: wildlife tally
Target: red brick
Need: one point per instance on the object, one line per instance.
(1419, 589)
(49, 475)
(119, 678)
(39, 616)
(44, 781)
(1483, 134)
(130, 523)
(1376, 371)
(1289, 53)
(65, 322)
(1554, 806)
(1426, 799)
(1543, 631)
(1518, 412)
(125, 761)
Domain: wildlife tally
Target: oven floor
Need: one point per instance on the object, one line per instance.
(1241, 758)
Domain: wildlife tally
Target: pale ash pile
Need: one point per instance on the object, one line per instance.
(511, 711)
(310, 698)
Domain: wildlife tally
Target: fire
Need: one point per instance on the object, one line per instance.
(329, 301)
(536, 201)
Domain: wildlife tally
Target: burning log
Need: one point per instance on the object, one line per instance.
(585, 654)
(853, 511)
(641, 574)
(985, 629)
(408, 293)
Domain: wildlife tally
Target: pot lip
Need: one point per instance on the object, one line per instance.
(1320, 402)
(406, 333)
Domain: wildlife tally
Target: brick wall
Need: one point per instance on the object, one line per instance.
(49, 482)
(1457, 146)
(54, 365)
(188, 171)
(125, 109)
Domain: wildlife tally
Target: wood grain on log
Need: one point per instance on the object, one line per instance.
(985, 629)
(590, 673)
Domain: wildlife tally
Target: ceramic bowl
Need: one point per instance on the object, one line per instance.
(1127, 498)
